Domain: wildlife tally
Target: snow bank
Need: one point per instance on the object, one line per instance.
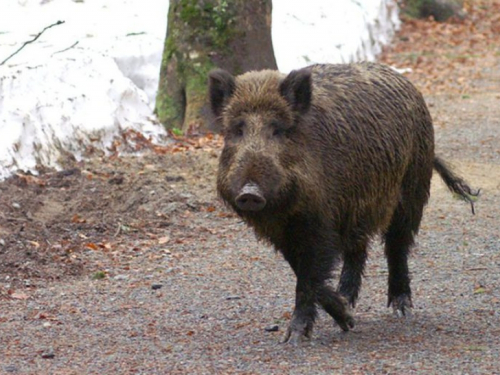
(319, 31)
(68, 104)
(85, 81)
(55, 100)
(131, 32)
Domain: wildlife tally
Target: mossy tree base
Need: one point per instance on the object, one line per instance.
(441, 10)
(203, 34)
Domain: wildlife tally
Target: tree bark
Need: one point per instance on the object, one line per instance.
(204, 34)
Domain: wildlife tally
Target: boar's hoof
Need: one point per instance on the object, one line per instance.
(295, 337)
(250, 198)
(297, 332)
(346, 323)
(401, 305)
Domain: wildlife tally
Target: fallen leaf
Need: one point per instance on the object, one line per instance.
(92, 246)
(105, 245)
(19, 295)
(163, 240)
(77, 219)
(480, 290)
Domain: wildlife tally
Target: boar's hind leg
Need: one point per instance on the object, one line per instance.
(398, 242)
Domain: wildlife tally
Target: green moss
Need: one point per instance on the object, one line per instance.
(412, 8)
(440, 10)
(99, 275)
(195, 81)
(190, 10)
(170, 49)
(168, 110)
(215, 17)
(192, 76)
(177, 131)
(195, 74)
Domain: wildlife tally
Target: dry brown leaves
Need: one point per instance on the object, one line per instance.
(449, 57)
(134, 141)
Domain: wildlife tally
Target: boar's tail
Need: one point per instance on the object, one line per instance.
(455, 183)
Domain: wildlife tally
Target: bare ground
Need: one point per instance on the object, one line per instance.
(132, 266)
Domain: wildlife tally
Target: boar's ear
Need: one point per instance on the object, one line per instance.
(296, 89)
(221, 86)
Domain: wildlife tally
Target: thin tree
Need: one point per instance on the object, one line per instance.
(204, 34)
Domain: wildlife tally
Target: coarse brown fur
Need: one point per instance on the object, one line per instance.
(337, 154)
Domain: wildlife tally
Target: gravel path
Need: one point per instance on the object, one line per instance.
(199, 295)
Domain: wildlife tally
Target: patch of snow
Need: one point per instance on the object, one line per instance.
(88, 103)
(85, 81)
(52, 102)
(132, 32)
(139, 59)
(325, 31)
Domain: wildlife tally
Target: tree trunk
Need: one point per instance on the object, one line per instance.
(204, 34)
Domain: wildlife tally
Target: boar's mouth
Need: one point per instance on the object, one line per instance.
(250, 198)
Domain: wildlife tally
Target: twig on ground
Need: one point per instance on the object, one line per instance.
(31, 41)
(64, 50)
(118, 230)
(476, 269)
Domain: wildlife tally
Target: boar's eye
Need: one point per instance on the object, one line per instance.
(237, 128)
(279, 130)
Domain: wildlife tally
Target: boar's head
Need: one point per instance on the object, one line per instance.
(262, 160)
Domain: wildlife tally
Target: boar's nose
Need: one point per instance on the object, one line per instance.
(250, 198)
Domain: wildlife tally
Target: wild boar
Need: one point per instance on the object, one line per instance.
(320, 161)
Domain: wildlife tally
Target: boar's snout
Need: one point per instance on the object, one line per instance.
(250, 198)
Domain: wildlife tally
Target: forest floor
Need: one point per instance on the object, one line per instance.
(131, 265)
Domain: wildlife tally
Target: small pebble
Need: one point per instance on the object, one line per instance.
(118, 180)
(10, 368)
(174, 178)
(120, 277)
(16, 205)
(68, 172)
(48, 354)
(273, 328)
(156, 286)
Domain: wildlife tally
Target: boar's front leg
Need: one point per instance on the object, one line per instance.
(304, 314)
(312, 259)
(354, 255)
(311, 289)
(336, 306)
